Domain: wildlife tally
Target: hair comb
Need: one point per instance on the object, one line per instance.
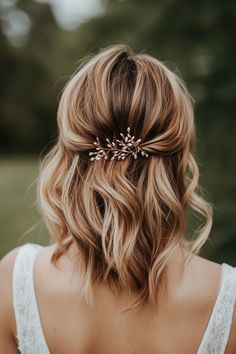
(119, 149)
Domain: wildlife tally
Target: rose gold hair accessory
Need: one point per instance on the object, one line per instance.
(124, 147)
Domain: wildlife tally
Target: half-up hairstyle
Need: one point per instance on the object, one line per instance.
(126, 217)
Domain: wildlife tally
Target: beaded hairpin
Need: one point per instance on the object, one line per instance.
(121, 150)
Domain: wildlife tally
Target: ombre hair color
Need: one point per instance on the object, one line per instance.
(126, 217)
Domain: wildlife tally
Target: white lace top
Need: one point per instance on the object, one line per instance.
(30, 335)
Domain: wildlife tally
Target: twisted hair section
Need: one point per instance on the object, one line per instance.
(126, 217)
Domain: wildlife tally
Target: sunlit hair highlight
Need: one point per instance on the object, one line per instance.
(126, 217)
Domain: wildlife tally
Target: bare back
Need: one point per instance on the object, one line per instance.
(71, 326)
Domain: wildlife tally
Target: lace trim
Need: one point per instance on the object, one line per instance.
(30, 335)
(217, 333)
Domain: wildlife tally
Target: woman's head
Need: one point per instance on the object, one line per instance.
(128, 216)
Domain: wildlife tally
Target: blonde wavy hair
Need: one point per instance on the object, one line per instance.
(127, 217)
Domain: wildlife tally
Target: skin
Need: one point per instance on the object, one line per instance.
(70, 326)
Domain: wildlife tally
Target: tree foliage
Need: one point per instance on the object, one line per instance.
(197, 38)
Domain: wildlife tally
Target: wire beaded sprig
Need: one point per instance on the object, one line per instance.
(127, 145)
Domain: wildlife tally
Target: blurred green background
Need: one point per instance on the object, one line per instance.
(41, 44)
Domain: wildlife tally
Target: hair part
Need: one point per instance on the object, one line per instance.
(126, 217)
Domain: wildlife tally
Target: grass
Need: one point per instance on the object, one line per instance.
(20, 221)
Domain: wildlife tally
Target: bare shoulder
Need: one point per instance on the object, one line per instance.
(206, 272)
(203, 263)
(7, 318)
(208, 275)
(57, 276)
(203, 276)
(8, 260)
(6, 275)
(199, 286)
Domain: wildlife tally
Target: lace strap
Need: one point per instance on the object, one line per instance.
(29, 331)
(217, 333)
(230, 303)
